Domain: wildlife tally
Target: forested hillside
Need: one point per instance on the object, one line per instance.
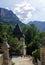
(39, 24)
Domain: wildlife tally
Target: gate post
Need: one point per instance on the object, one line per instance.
(42, 51)
(5, 49)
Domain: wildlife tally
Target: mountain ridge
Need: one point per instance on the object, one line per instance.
(39, 24)
(9, 17)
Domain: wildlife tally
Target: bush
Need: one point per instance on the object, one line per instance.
(35, 53)
(35, 56)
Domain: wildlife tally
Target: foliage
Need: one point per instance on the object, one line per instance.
(31, 33)
(35, 53)
(24, 28)
(14, 47)
(32, 38)
(42, 34)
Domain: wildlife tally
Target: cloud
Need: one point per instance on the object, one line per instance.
(29, 15)
(7, 8)
(17, 9)
(33, 10)
(42, 1)
(25, 6)
(26, 9)
(43, 9)
(25, 17)
(23, 11)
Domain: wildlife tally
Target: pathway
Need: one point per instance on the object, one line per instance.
(22, 60)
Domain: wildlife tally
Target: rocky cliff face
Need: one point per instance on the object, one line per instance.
(9, 17)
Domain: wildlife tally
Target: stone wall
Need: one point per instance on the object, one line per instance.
(39, 63)
(42, 55)
(1, 59)
(42, 51)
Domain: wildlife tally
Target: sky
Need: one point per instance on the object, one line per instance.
(26, 10)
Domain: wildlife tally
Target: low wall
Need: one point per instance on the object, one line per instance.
(1, 59)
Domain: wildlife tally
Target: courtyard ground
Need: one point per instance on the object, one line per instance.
(22, 60)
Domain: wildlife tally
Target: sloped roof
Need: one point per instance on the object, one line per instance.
(17, 31)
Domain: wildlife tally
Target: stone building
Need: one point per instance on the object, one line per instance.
(17, 33)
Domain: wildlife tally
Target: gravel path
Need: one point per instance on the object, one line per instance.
(22, 60)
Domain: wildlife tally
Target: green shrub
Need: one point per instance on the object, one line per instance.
(35, 53)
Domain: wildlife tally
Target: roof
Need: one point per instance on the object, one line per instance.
(17, 31)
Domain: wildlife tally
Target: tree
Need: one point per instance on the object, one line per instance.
(30, 38)
(24, 28)
(10, 29)
(34, 44)
(31, 32)
(15, 48)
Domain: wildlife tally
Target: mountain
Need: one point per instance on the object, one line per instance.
(40, 25)
(7, 16)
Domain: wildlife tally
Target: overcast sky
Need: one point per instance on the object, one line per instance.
(26, 10)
